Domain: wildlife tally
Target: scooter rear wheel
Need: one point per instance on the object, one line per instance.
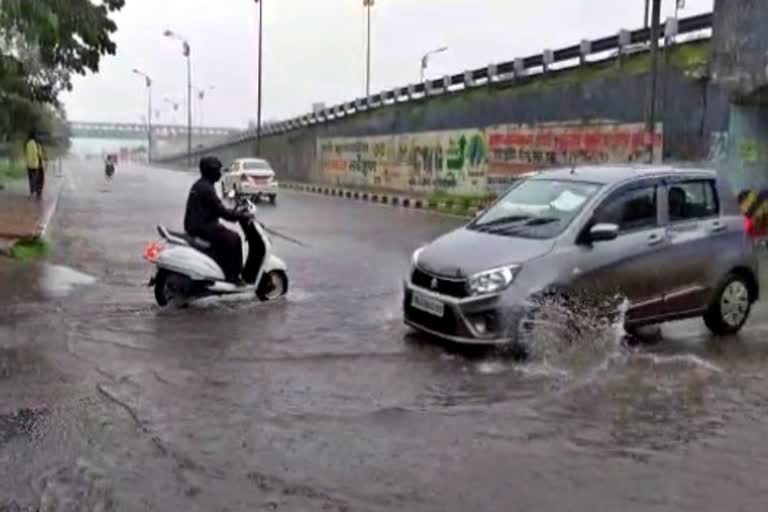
(273, 285)
(171, 289)
(163, 292)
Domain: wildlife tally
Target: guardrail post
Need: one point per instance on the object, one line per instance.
(469, 80)
(548, 58)
(519, 67)
(492, 72)
(585, 48)
(447, 81)
(671, 29)
(625, 39)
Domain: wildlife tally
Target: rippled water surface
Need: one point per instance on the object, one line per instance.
(325, 401)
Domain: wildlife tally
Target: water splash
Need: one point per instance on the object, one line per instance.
(59, 281)
(574, 336)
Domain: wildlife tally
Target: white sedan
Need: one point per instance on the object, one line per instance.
(252, 177)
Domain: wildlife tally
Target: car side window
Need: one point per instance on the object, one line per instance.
(631, 209)
(690, 200)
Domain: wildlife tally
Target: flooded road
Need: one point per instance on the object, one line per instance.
(325, 401)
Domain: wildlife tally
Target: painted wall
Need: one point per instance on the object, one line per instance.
(476, 162)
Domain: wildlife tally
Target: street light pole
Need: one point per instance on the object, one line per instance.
(261, 53)
(187, 53)
(650, 126)
(148, 82)
(368, 4)
(647, 11)
(425, 60)
(189, 104)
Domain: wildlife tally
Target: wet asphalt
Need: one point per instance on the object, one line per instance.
(325, 401)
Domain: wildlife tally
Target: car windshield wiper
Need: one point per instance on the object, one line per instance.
(540, 221)
(517, 228)
(502, 220)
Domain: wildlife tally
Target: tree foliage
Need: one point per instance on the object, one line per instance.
(42, 44)
(52, 39)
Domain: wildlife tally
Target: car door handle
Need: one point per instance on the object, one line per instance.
(655, 239)
(718, 227)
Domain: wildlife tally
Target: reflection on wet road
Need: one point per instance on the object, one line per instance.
(325, 401)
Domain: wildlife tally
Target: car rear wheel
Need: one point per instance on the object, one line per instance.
(731, 306)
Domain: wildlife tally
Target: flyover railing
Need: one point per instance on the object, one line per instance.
(623, 42)
(89, 127)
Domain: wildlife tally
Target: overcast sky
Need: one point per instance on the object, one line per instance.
(314, 50)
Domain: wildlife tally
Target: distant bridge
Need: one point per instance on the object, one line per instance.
(94, 130)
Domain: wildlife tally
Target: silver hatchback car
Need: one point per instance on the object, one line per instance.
(671, 241)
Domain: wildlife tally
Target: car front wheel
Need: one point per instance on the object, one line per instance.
(730, 308)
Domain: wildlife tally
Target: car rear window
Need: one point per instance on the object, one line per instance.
(256, 166)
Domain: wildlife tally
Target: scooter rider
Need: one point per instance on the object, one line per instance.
(204, 209)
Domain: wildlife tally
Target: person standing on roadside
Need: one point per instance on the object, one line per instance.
(33, 153)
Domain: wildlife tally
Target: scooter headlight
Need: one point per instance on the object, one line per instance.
(492, 281)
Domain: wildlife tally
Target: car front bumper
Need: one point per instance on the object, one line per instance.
(472, 320)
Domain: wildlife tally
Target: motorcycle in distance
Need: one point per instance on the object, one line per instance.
(186, 273)
(109, 167)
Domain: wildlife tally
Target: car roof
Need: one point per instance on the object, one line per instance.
(254, 160)
(617, 173)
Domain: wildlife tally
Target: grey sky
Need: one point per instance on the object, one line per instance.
(315, 49)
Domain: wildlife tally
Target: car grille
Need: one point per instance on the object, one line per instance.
(447, 324)
(450, 287)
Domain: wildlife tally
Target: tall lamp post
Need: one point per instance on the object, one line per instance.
(425, 60)
(368, 4)
(261, 53)
(148, 81)
(186, 51)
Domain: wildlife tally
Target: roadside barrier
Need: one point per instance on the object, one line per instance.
(396, 200)
(754, 205)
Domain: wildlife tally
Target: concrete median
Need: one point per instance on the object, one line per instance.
(459, 207)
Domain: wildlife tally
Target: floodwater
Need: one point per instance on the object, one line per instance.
(325, 401)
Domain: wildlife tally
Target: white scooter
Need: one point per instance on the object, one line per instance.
(185, 272)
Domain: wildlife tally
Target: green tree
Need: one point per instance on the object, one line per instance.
(52, 39)
(42, 44)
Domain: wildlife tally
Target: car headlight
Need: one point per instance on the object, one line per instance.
(491, 281)
(415, 257)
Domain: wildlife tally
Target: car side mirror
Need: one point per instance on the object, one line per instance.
(603, 232)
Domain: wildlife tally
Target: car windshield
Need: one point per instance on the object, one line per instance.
(256, 166)
(536, 208)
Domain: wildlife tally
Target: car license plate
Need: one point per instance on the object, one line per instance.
(428, 304)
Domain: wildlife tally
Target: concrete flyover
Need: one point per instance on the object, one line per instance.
(107, 130)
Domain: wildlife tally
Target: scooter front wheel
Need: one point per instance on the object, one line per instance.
(273, 285)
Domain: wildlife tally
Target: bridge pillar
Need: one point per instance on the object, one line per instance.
(739, 65)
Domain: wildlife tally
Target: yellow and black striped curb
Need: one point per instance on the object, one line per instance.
(403, 201)
(754, 204)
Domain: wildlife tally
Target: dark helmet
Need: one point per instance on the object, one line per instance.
(210, 168)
